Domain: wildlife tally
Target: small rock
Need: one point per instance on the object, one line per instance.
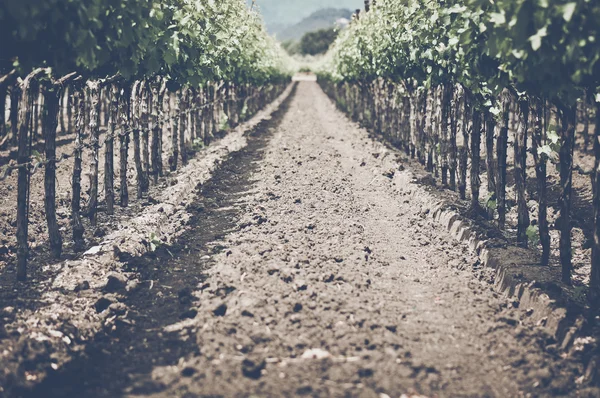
(93, 251)
(115, 283)
(99, 232)
(251, 369)
(315, 353)
(4, 250)
(297, 307)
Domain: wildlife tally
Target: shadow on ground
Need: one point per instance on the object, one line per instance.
(120, 361)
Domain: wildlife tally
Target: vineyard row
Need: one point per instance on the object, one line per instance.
(441, 78)
(100, 112)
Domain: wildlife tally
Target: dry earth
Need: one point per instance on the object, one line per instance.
(309, 272)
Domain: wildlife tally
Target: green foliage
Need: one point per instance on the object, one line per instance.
(198, 144)
(318, 42)
(492, 202)
(224, 123)
(550, 151)
(545, 48)
(291, 46)
(154, 242)
(533, 235)
(189, 41)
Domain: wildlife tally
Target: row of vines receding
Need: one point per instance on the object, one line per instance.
(513, 81)
(120, 93)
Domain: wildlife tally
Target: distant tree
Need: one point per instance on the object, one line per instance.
(317, 42)
(291, 46)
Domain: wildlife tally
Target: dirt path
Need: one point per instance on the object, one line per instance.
(314, 275)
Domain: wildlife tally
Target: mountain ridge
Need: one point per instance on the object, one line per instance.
(321, 19)
(282, 14)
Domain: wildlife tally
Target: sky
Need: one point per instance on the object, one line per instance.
(282, 13)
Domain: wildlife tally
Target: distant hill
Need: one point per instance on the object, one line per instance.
(280, 14)
(321, 19)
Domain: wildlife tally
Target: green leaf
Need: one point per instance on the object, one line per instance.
(533, 234)
(568, 11)
(498, 18)
(536, 40)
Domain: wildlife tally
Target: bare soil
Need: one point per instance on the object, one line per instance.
(308, 271)
(64, 304)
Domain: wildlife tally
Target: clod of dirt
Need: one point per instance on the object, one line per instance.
(81, 286)
(365, 372)
(221, 310)
(8, 312)
(121, 255)
(117, 308)
(185, 295)
(509, 321)
(251, 369)
(304, 390)
(115, 283)
(132, 285)
(389, 173)
(104, 302)
(188, 372)
(189, 314)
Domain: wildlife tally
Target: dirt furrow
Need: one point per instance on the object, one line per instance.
(337, 285)
(327, 281)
